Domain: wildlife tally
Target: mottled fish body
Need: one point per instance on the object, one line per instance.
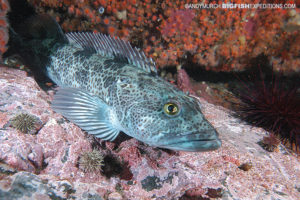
(106, 86)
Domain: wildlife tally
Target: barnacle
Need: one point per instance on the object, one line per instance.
(246, 166)
(91, 161)
(24, 122)
(101, 10)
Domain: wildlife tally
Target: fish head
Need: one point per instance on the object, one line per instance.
(168, 118)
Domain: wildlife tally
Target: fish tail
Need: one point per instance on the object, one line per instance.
(33, 36)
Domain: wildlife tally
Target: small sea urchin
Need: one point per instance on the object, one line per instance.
(91, 161)
(271, 143)
(274, 106)
(24, 122)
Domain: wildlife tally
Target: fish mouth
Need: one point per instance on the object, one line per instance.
(194, 142)
(195, 145)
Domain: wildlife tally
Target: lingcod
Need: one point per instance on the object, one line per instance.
(106, 87)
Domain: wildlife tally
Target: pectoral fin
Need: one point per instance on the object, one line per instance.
(87, 111)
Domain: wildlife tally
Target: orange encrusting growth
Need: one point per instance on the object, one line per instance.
(4, 7)
(217, 38)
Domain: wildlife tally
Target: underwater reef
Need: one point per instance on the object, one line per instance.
(45, 156)
(49, 163)
(217, 39)
(167, 31)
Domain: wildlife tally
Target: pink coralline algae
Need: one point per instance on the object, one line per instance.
(183, 82)
(48, 160)
(250, 27)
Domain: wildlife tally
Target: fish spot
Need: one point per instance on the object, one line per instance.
(86, 53)
(115, 63)
(108, 82)
(81, 75)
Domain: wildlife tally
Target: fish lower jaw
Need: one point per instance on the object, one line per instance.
(194, 145)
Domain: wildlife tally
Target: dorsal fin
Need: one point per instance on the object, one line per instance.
(108, 46)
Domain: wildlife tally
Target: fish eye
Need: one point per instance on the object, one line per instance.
(171, 108)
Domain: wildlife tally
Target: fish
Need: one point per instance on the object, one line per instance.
(106, 86)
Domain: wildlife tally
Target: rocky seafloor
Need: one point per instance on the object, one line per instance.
(44, 163)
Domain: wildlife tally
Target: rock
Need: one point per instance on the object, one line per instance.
(115, 196)
(6, 170)
(25, 185)
(28, 186)
(132, 169)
